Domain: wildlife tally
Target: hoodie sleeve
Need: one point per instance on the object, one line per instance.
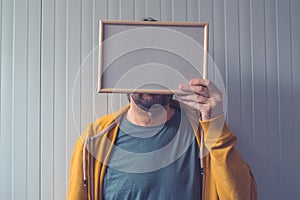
(76, 189)
(231, 176)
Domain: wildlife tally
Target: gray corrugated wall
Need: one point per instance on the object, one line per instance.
(46, 100)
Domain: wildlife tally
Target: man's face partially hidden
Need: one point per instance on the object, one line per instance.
(146, 101)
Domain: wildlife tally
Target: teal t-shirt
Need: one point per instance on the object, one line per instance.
(157, 162)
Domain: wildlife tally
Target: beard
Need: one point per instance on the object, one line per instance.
(147, 101)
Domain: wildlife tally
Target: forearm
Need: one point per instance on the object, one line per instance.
(232, 176)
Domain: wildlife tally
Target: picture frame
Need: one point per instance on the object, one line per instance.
(150, 57)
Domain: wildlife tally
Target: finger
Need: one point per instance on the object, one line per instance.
(201, 90)
(200, 81)
(195, 105)
(203, 82)
(186, 88)
(193, 98)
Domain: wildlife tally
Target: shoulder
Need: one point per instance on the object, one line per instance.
(98, 125)
(103, 122)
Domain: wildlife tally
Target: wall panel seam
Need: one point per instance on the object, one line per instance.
(79, 71)
(107, 14)
(292, 79)
(252, 76)
(93, 48)
(146, 8)
(186, 11)
(40, 100)
(199, 7)
(66, 85)
(133, 8)
(1, 13)
(211, 29)
(160, 10)
(120, 10)
(213, 36)
(53, 97)
(13, 96)
(279, 97)
(239, 63)
(266, 75)
(173, 7)
(225, 49)
(107, 9)
(27, 103)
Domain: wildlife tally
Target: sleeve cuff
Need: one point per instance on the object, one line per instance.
(215, 129)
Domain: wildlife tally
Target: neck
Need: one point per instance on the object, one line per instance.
(154, 117)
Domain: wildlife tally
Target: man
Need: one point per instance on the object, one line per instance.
(112, 168)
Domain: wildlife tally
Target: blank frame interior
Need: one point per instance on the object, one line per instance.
(150, 57)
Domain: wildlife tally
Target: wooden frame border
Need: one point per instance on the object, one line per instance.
(150, 23)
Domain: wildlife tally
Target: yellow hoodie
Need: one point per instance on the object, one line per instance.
(226, 175)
